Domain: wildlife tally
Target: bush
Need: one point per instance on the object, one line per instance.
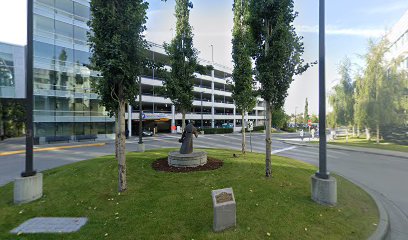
(217, 130)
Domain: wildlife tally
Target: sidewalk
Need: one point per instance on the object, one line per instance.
(376, 151)
(14, 146)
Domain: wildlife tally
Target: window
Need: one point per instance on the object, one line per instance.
(43, 23)
(64, 29)
(44, 50)
(81, 10)
(65, 5)
(80, 34)
(82, 57)
(47, 2)
(64, 54)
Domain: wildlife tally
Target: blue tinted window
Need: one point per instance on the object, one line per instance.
(43, 50)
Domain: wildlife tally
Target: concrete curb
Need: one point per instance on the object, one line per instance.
(347, 149)
(52, 148)
(384, 227)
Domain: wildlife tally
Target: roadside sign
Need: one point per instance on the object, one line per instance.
(250, 126)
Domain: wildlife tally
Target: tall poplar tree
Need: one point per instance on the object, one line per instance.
(277, 54)
(179, 84)
(306, 113)
(242, 91)
(118, 51)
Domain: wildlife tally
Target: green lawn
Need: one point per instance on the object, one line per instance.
(362, 142)
(160, 205)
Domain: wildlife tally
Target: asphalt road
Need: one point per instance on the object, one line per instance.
(384, 176)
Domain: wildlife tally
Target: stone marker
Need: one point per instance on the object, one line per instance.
(50, 225)
(224, 209)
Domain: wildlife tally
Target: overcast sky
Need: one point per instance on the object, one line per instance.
(349, 25)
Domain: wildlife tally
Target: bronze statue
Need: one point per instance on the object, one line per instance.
(187, 138)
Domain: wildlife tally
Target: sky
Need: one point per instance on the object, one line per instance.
(349, 26)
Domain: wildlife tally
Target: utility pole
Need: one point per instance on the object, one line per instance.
(324, 186)
(140, 144)
(29, 167)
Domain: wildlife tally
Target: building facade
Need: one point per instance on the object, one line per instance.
(398, 41)
(66, 105)
(398, 50)
(12, 71)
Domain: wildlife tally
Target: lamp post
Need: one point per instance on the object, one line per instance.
(295, 118)
(324, 186)
(29, 186)
(29, 170)
(201, 98)
(140, 143)
(322, 173)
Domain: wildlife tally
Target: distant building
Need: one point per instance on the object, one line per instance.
(398, 40)
(66, 105)
(12, 71)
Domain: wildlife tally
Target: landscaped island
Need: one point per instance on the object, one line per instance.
(168, 205)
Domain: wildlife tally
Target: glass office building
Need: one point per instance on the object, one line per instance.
(64, 103)
(12, 71)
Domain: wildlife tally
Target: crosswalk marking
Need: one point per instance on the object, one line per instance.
(283, 149)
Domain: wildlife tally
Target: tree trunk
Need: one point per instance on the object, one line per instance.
(183, 120)
(116, 135)
(378, 134)
(358, 132)
(354, 131)
(347, 133)
(368, 134)
(122, 147)
(243, 133)
(268, 141)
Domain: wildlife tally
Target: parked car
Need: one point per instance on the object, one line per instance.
(147, 133)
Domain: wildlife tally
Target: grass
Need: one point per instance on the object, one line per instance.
(160, 205)
(362, 142)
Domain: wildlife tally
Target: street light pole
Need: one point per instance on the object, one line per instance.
(295, 118)
(29, 170)
(322, 173)
(140, 112)
(201, 96)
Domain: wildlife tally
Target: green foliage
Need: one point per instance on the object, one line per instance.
(342, 99)
(242, 91)
(278, 49)
(217, 130)
(118, 49)
(280, 119)
(379, 90)
(12, 118)
(306, 113)
(174, 206)
(178, 84)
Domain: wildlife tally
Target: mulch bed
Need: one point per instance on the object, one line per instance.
(163, 166)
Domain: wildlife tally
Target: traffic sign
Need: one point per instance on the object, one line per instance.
(250, 126)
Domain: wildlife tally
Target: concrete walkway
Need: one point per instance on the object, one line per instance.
(376, 151)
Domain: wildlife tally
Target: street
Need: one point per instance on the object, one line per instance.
(383, 176)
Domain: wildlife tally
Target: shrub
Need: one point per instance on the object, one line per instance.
(217, 130)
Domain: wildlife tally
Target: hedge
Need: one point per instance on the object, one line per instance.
(218, 130)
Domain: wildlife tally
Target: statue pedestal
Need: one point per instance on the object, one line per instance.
(195, 159)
